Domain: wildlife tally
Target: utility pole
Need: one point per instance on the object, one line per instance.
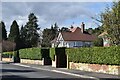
(1, 32)
(1, 51)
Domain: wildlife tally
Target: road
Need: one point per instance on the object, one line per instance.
(19, 71)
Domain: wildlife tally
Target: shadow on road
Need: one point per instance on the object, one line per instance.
(108, 79)
(13, 70)
(12, 77)
(22, 78)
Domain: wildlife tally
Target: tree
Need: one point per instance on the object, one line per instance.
(54, 30)
(30, 31)
(110, 20)
(22, 37)
(98, 42)
(64, 29)
(14, 35)
(4, 32)
(49, 35)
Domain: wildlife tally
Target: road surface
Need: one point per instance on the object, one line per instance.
(20, 71)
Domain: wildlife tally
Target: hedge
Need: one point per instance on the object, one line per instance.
(31, 53)
(96, 55)
(52, 54)
(7, 54)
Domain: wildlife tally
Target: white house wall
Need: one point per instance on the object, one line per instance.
(74, 44)
(71, 44)
(60, 40)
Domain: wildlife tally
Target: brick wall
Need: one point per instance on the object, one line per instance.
(7, 59)
(109, 69)
(40, 62)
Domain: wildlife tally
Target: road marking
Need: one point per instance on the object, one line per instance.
(77, 75)
(41, 68)
(57, 71)
(21, 65)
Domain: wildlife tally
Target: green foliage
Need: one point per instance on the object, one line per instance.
(49, 35)
(110, 20)
(52, 53)
(98, 42)
(14, 35)
(30, 53)
(7, 54)
(29, 33)
(22, 37)
(64, 29)
(3, 30)
(96, 55)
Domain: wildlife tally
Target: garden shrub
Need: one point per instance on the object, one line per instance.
(96, 55)
(7, 54)
(30, 53)
(52, 54)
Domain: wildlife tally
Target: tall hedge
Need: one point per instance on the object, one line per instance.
(97, 55)
(30, 53)
(52, 53)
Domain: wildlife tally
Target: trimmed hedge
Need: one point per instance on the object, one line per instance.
(31, 53)
(52, 54)
(96, 55)
(7, 54)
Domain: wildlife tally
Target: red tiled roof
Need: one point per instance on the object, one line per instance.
(77, 35)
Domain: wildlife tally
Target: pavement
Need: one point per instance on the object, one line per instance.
(29, 71)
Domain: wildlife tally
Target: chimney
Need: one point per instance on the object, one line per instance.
(71, 27)
(82, 27)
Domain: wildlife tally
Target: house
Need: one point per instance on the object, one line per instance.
(75, 37)
(106, 40)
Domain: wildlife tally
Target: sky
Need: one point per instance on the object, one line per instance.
(64, 14)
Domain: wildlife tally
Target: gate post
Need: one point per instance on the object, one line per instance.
(16, 58)
(67, 62)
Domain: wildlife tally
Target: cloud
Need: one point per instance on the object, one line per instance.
(47, 12)
(58, 0)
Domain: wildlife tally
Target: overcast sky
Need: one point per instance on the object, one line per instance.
(64, 13)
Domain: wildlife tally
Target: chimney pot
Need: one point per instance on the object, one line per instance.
(82, 27)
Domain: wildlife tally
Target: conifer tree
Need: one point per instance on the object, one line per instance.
(3, 31)
(14, 35)
(30, 31)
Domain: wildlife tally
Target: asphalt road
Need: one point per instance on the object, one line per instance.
(19, 72)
